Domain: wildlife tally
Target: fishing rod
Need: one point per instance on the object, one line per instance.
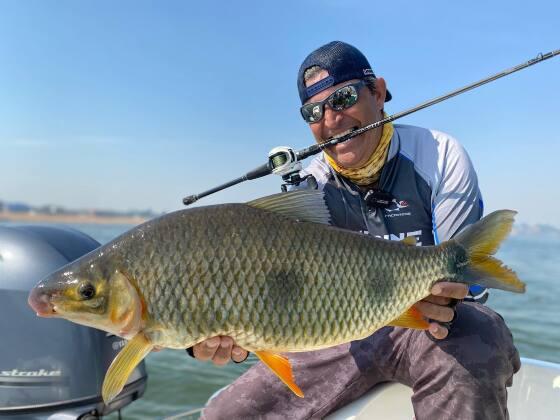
(286, 162)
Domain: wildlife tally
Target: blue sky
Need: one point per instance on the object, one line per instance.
(136, 104)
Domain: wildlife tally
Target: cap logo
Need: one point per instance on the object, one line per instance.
(368, 72)
(319, 86)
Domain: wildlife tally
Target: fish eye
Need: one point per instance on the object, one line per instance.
(86, 290)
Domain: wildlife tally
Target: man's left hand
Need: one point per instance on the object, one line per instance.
(436, 306)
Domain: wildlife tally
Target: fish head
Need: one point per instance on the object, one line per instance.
(90, 293)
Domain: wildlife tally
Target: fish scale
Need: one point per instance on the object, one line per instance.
(233, 262)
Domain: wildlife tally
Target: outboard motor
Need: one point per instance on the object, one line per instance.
(51, 368)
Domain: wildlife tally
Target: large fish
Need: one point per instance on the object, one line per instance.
(270, 273)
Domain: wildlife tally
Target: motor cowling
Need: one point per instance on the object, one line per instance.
(51, 366)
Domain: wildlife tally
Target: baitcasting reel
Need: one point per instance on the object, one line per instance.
(283, 161)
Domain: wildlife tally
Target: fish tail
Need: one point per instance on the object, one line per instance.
(480, 241)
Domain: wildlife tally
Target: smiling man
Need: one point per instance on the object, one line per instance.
(392, 182)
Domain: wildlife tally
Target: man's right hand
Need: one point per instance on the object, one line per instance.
(220, 350)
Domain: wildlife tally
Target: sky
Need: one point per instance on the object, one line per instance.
(136, 104)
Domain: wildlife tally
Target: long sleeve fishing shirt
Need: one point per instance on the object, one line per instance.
(431, 184)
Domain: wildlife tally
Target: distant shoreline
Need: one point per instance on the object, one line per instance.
(70, 218)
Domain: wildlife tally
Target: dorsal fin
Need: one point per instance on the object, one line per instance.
(303, 205)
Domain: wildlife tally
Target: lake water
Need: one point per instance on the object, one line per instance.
(178, 383)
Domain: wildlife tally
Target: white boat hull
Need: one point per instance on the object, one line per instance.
(535, 395)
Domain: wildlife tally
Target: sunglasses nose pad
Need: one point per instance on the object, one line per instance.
(330, 115)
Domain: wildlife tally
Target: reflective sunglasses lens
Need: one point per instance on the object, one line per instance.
(312, 112)
(343, 98)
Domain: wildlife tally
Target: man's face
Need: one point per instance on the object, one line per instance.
(355, 152)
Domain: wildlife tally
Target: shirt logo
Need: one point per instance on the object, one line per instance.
(397, 205)
(397, 209)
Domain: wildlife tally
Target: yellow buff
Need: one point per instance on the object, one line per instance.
(371, 170)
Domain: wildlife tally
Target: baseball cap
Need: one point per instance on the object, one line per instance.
(341, 60)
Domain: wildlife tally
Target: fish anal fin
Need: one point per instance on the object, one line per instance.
(281, 367)
(123, 365)
(412, 318)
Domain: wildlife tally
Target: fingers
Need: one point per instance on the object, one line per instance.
(450, 290)
(220, 350)
(438, 331)
(206, 350)
(238, 354)
(435, 312)
(438, 300)
(436, 306)
(223, 353)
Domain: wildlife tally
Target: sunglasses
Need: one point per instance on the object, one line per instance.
(342, 98)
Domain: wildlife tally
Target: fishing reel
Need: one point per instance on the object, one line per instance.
(283, 161)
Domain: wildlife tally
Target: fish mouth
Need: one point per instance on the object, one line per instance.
(41, 303)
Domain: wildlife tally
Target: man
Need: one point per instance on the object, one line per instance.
(461, 366)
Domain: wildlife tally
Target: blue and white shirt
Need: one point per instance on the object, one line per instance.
(433, 184)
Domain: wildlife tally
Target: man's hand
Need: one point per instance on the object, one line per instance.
(436, 306)
(220, 350)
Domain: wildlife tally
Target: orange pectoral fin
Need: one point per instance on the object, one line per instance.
(412, 318)
(281, 367)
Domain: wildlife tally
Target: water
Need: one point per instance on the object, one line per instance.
(178, 383)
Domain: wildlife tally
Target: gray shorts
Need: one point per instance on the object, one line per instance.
(461, 377)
